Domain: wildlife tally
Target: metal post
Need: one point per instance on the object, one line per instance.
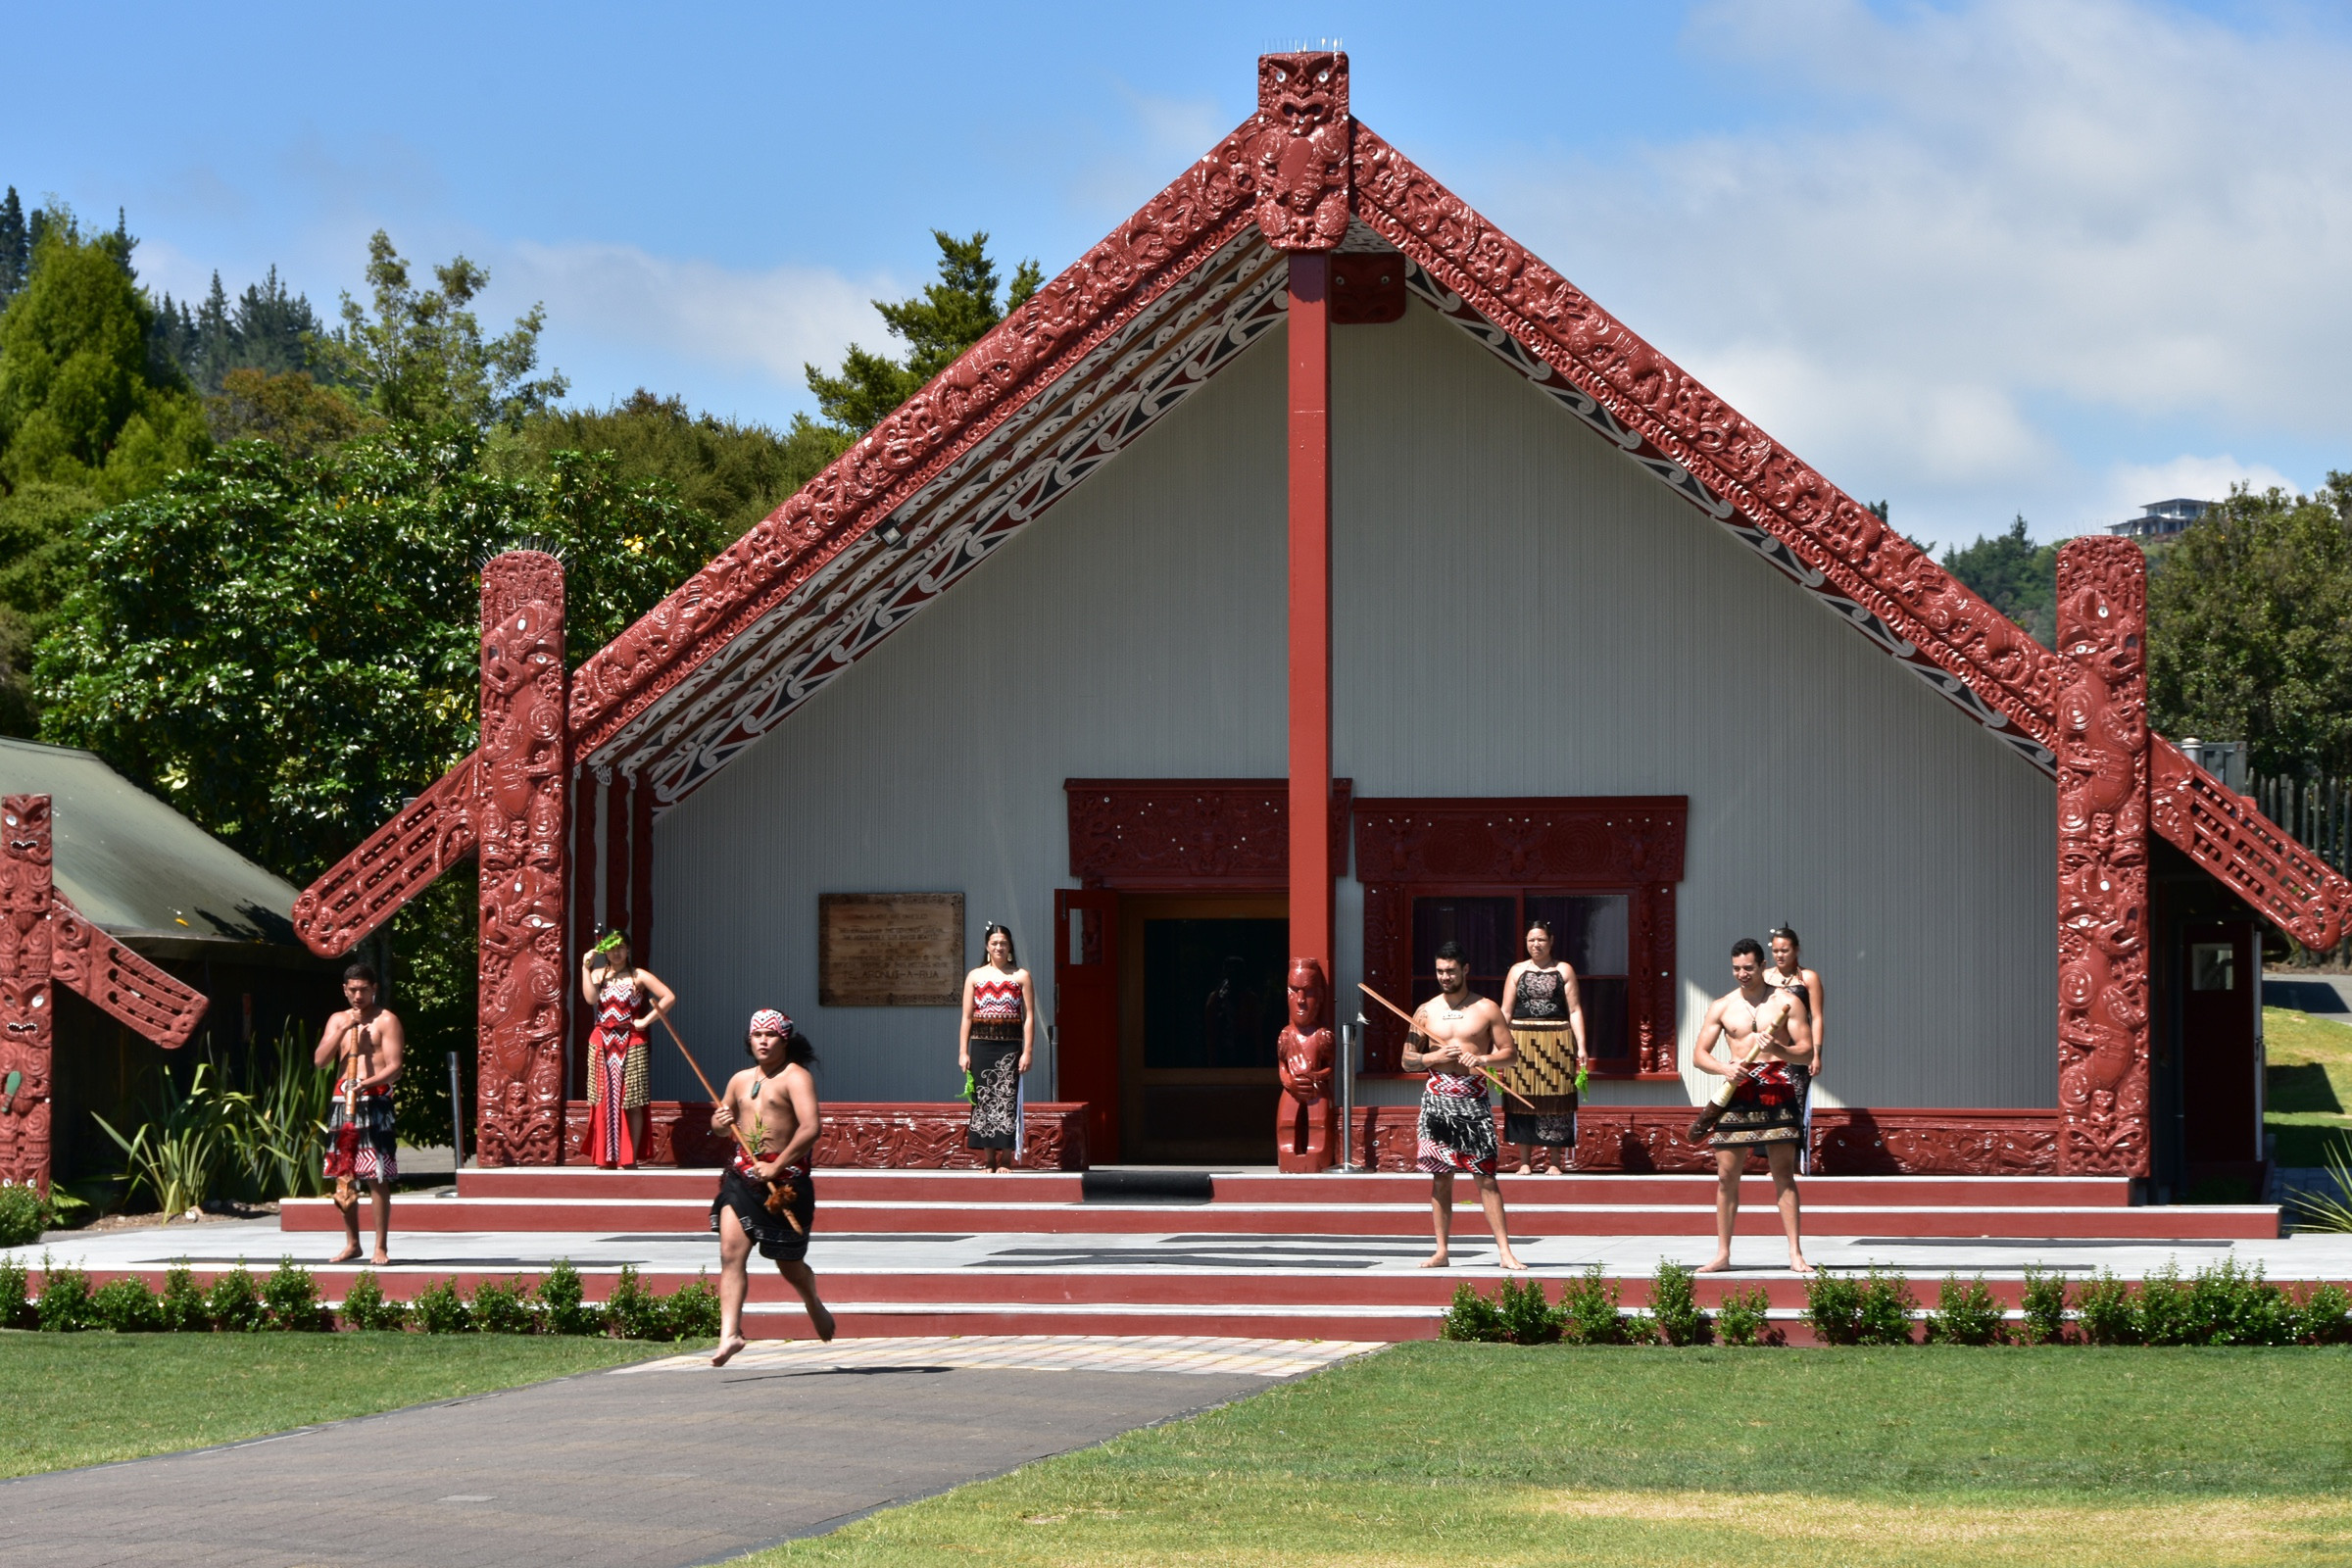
(1352, 1036)
(457, 1118)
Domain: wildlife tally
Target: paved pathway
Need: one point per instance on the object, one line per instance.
(2325, 996)
(652, 1466)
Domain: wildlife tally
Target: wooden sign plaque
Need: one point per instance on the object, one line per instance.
(890, 949)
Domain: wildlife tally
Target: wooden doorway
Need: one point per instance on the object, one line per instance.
(2221, 1055)
(1201, 994)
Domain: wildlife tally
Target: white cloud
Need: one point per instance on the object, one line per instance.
(768, 322)
(1971, 227)
(2130, 486)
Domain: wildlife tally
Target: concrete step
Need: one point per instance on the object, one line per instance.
(686, 1215)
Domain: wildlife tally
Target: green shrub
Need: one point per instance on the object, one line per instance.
(501, 1307)
(1834, 1306)
(2044, 1304)
(694, 1310)
(24, 1214)
(182, 1309)
(1673, 1306)
(290, 1295)
(65, 1304)
(365, 1307)
(2320, 1316)
(1525, 1313)
(2105, 1313)
(564, 1307)
(15, 1312)
(439, 1310)
(2160, 1309)
(2228, 1305)
(234, 1303)
(1882, 1316)
(1471, 1317)
(1966, 1315)
(1589, 1316)
(633, 1311)
(1743, 1317)
(128, 1306)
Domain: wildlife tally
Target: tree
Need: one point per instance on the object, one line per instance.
(936, 325)
(15, 247)
(289, 411)
(2250, 630)
(424, 358)
(266, 329)
(80, 404)
(2019, 578)
(731, 472)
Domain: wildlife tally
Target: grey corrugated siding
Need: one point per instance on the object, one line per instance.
(1520, 611)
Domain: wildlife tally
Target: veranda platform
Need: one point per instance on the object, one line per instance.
(1331, 1256)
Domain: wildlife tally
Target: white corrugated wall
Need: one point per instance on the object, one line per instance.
(1520, 611)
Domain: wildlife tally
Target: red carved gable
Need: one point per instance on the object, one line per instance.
(1297, 170)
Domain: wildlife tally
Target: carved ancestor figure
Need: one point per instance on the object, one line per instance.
(1301, 157)
(2101, 708)
(521, 840)
(1302, 1057)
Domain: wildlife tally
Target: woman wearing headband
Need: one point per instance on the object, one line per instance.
(627, 999)
(999, 1028)
(1789, 973)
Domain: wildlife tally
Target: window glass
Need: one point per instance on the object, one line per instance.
(1588, 929)
(1486, 928)
(2213, 967)
(1606, 1035)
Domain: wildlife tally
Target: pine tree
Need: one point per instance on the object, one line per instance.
(215, 344)
(946, 318)
(273, 329)
(15, 246)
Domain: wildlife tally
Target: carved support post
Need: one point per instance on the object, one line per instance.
(2103, 927)
(1304, 1061)
(580, 898)
(525, 769)
(27, 1038)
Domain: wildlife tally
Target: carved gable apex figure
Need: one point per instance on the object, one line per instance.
(1301, 156)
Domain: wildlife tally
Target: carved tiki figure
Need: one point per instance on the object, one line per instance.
(521, 847)
(1300, 159)
(1303, 1062)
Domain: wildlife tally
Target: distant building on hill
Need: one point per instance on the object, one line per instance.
(2161, 519)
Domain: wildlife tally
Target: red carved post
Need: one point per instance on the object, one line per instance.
(524, 767)
(2102, 715)
(1302, 1054)
(27, 898)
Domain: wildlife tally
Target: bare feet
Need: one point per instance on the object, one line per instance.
(826, 1325)
(1717, 1267)
(1797, 1265)
(1526, 1169)
(347, 1254)
(727, 1348)
(383, 1259)
(1434, 1260)
(1510, 1259)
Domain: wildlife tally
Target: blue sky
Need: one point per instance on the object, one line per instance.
(2053, 258)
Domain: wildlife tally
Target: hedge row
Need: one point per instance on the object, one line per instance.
(287, 1299)
(2220, 1305)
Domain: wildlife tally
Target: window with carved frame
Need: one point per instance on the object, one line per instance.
(1590, 931)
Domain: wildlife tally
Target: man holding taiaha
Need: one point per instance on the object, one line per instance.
(364, 1044)
(1753, 1037)
(767, 1198)
(1456, 1035)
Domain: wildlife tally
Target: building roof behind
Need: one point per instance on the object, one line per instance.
(139, 869)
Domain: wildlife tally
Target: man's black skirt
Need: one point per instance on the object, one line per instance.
(777, 1240)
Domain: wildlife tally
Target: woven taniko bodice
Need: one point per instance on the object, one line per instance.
(997, 1002)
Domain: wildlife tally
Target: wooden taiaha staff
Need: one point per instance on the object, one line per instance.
(778, 1192)
(1475, 1066)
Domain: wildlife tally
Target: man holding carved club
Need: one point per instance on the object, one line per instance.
(364, 1045)
(1456, 1035)
(767, 1198)
(1755, 1038)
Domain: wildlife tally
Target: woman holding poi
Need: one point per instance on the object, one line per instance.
(1548, 1027)
(627, 999)
(994, 1045)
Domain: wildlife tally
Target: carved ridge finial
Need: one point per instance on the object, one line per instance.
(1301, 155)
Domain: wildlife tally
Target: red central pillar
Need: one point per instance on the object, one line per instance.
(1310, 606)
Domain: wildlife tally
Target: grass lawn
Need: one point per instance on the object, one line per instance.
(90, 1399)
(2308, 1088)
(1457, 1455)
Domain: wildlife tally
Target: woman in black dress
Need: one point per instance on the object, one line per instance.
(999, 1028)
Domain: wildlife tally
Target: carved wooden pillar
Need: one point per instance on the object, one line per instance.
(1301, 162)
(26, 1039)
(522, 831)
(580, 875)
(2103, 927)
(616, 854)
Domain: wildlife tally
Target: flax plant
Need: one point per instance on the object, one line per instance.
(177, 1152)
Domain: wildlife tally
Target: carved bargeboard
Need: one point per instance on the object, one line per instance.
(45, 940)
(523, 766)
(392, 865)
(2102, 747)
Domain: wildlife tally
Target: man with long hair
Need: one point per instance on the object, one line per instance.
(765, 1195)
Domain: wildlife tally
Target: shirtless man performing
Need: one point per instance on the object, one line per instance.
(363, 1043)
(1768, 1032)
(775, 1100)
(1461, 1032)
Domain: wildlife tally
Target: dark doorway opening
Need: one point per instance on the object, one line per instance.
(1202, 982)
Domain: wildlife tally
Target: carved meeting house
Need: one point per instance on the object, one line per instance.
(1309, 570)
